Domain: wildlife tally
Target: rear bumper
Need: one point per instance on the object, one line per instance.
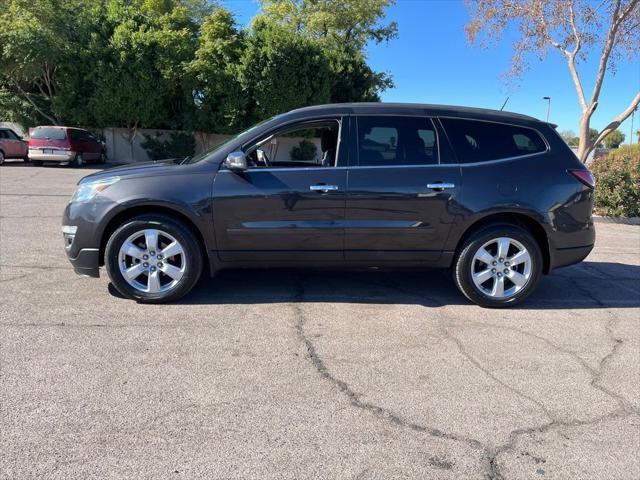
(61, 156)
(87, 262)
(562, 257)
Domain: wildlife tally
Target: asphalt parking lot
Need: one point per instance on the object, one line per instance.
(265, 374)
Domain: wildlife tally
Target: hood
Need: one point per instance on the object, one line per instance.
(144, 169)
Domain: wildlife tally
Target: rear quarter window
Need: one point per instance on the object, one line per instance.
(51, 133)
(478, 141)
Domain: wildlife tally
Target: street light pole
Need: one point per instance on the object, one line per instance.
(548, 99)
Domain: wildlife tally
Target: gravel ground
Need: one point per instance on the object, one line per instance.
(281, 374)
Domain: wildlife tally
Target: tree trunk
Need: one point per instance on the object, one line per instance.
(132, 133)
(584, 147)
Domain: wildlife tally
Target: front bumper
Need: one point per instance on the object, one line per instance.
(82, 225)
(86, 263)
(62, 156)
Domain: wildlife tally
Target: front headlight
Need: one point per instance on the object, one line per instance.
(86, 191)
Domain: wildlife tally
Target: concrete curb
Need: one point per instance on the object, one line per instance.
(622, 220)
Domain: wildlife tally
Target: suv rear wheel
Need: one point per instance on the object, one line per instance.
(153, 259)
(498, 266)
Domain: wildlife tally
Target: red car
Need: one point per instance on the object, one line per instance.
(12, 146)
(64, 145)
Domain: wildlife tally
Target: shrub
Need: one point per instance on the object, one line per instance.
(618, 182)
(179, 145)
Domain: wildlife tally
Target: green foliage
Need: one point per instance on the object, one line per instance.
(569, 136)
(305, 150)
(614, 139)
(351, 23)
(618, 182)
(593, 136)
(343, 29)
(182, 64)
(179, 145)
(219, 104)
(16, 109)
(280, 71)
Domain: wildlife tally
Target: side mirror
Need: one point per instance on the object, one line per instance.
(236, 161)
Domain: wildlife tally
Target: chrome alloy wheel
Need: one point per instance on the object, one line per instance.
(501, 268)
(152, 261)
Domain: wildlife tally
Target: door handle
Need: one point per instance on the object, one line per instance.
(323, 188)
(440, 185)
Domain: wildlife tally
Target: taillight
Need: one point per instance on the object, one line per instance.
(585, 176)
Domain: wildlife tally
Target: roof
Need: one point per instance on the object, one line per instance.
(416, 108)
(59, 126)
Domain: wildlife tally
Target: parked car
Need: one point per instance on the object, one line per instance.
(12, 145)
(496, 197)
(65, 145)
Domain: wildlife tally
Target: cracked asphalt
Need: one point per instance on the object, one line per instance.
(285, 374)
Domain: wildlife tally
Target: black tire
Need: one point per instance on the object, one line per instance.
(103, 158)
(463, 264)
(36, 163)
(77, 160)
(1, 157)
(184, 235)
(26, 160)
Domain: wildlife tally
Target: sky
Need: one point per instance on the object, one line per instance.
(432, 62)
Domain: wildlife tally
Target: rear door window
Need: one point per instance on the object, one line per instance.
(76, 134)
(49, 133)
(478, 141)
(390, 141)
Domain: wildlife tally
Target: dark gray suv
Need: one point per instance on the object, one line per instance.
(497, 197)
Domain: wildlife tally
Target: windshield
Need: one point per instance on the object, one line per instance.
(207, 153)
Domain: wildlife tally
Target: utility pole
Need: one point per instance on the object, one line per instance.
(548, 99)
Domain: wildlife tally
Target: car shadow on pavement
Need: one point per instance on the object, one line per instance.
(589, 285)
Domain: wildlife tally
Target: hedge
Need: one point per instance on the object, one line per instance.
(618, 182)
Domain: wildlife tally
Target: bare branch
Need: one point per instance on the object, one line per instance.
(576, 81)
(615, 123)
(627, 11)
(576, 36)
(555, 44)
(616, 19)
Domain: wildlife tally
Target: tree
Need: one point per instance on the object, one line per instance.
(39, 40)
(570, 138)
(17, 109)
(182, 64)
(593, 137)
(614, 139)
(280, 70)
(343, 28)
(218, 103)
(572, 27)
(568, 135)
(147, 47)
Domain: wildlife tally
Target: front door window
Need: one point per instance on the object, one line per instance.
(309, 144)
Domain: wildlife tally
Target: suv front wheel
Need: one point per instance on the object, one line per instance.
(153, 259)
(498, 266)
